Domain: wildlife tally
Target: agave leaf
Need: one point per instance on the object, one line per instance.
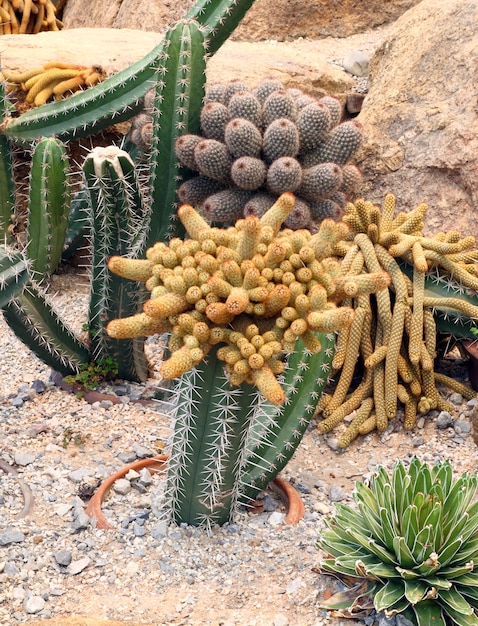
(399, 607)
(469, 580)
(379, 570)
(363, 494)
(422, 544)
(457, 571)
(453, 598)
(406, 497)
(378, 483)
(471, 593)
(449, 551)
(410, 524)
(415, 590)
(387, 528)
(434, 520)
(398, 477)
(389, 594)
(468, 552)
(451, 505)
(437, 582)
(408, 574)
(429, 613)
(337, 566)
(423, 480)
(442, 474)
(336, 547)
(459, 619)
(372, 546)
(373, 522)
(403, 553)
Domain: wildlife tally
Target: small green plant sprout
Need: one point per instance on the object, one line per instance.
(93, 373)
(412, 542)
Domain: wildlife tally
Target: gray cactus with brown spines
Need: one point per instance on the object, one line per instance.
(277, 105)
(213, 159)
(248, 173)
(226, 206)
(261, 160)
(213, 120)
(244, 104)
(243, 138)
(284, 174)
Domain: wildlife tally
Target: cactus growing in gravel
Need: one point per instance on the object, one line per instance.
(411, 547)
(268, 141)
(394, 332)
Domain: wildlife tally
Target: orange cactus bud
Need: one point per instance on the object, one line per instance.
(218, 313)
(237, 300)
(277, 299)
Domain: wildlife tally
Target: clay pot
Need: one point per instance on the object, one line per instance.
(295, 506)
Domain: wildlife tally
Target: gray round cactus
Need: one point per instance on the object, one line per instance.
(256, 144)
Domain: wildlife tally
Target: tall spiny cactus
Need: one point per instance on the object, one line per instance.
(120, 96)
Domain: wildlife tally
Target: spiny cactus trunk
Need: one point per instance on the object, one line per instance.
(120, 96)
(180, 79)
(7, 185)
(119, 224)
(48, 207)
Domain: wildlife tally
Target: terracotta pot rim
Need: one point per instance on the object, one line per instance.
(295, 505)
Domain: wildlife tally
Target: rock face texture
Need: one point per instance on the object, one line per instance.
(420, 116)
(267, 19)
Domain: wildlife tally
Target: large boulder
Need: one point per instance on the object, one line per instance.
(297, 64)
(421, 118)
(267, 19)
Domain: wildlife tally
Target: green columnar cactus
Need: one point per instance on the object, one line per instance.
(120, 96)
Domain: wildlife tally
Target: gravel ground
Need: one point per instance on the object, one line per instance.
(255, 571)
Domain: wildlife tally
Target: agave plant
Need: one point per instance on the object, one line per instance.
(413, 540)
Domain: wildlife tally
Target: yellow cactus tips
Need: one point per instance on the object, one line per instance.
(194, 224)
(137, 326)
(180, 362)
(267, 383)
(52, 81)
(165, 305)
(132, 269)
(278, 212)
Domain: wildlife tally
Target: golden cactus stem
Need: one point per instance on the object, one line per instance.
(133, 269)
(350, 361)
(368, 426)
(452, 303)
(405, 244)
(268, 385)
(180, 362)
(311, 342)
(351, 403)
(219, 286)
(249, 237)
(192, 221)
(46, 78)
(402, 394)
(389, 238)
(414, 220)
(418, 256)
(429, 328)
(429, 388)
(388, 211)
(363, 211)
(277, 299)
(237, 301)
(391, 266)
(27, 8)
(443, 405)
(348, 258)
(391, 362)
(366, 345)
(381, 414)
(455, 385)
(363, 413)
(352, 286)
(410, 414)
(218, 313)
(416, 322)
(278, 212)
(446, 247)
(341, 344)
(166, 305)
(377, 356)
(331, 319)
(140, 325)
(455, 269)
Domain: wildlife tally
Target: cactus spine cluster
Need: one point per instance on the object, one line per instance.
(394, 332)
(255, 145)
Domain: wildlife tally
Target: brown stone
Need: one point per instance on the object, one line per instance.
(267, 19)
(420, 116)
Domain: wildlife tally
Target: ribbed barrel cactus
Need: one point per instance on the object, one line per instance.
(256, 144)
(412, 538)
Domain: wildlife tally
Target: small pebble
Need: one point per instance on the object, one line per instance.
(76, 567)
(23, 458)
(336, 494)
(34, 604)
(444, 420)
(122, 486)
(11, 536)
(63, 557)
(280, 620)
(356, 63)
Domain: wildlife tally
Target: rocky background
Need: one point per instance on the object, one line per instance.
(419, 114)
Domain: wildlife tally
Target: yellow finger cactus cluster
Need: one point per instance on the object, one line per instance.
(52, 81)
(393, 334)
(252, 288)
(27, 17)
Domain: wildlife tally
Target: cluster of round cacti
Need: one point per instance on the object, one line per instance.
(253, 288)
(257, 144)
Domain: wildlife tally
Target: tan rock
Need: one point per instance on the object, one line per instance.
(420, 117)
(267, 19)
(72, 620)
(298, 64)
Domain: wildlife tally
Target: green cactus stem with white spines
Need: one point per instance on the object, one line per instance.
(13, 273)
(267, 141)
(49, 205)
(120, 96)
